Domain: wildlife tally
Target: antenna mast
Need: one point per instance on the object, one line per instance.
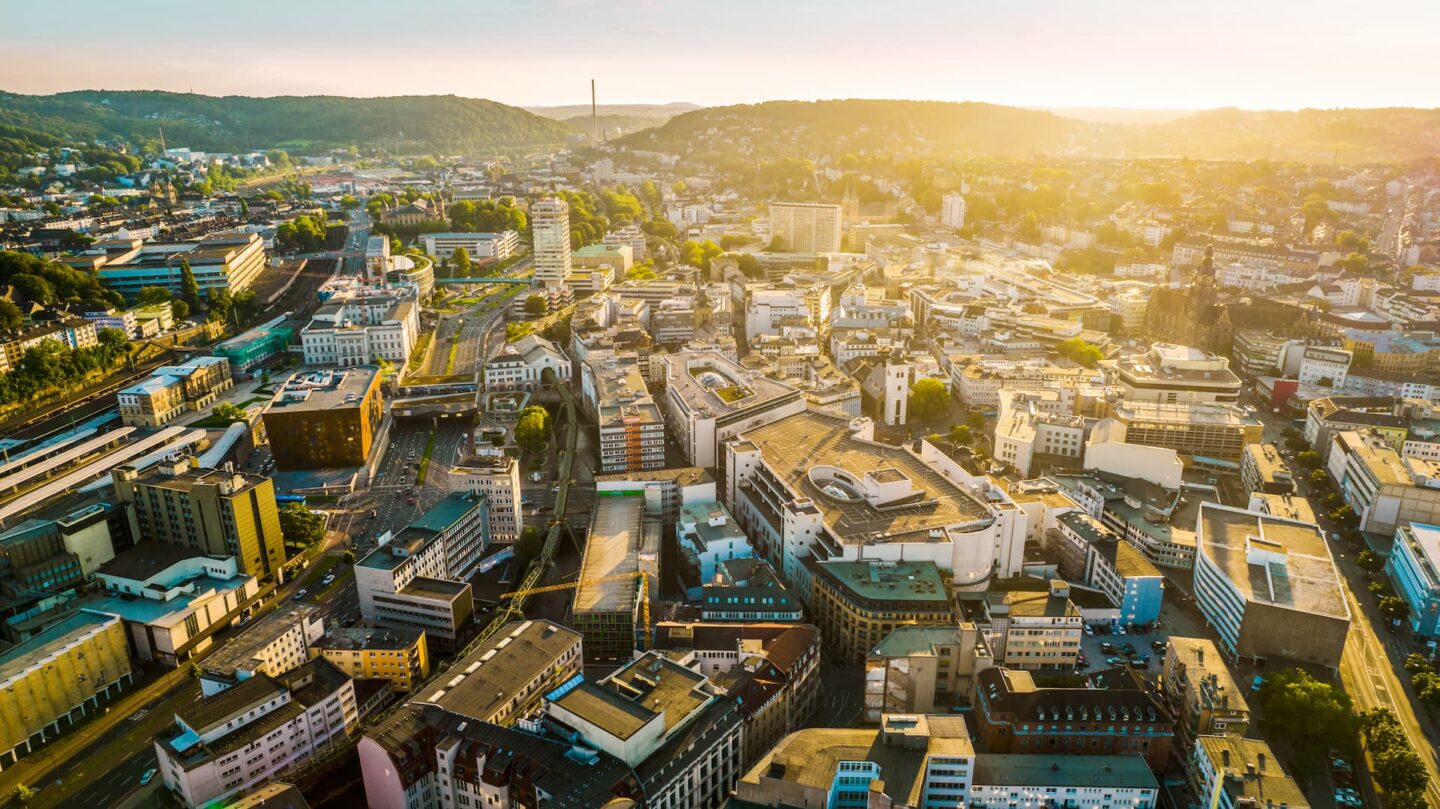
(594, 119)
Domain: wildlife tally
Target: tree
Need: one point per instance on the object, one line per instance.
(227, 411)
(301, 526)
(749, 266)
(1029, 227)
(928, 399)
(221, 305)
(960, 435)
(348, 557)
(975, 421)
(348, 202)
(532, 429)
(1367, 559)
(179, 309)
(10, 317)
(21, 796)
(1399, 769)
(1416, 663)
(150, 296)
(535, 305)
(1309, 459)
(193, 670)
(1310, 714)
(1080, 351)
(1319, 477)
(531, 542)
(1393, 608)
(460, 263)
(189, 288)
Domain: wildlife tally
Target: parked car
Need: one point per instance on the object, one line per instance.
(1089, 630)
(1114, 661)
(1107, 647)
(1256, 683)
(536, 476)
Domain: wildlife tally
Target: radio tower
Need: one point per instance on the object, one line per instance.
(594, 119)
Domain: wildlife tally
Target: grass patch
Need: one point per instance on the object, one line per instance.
(417, 354)
(425, 461)
(450, 360)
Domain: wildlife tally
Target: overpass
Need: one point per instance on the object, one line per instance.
(488, 279)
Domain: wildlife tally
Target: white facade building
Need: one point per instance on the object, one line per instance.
(363, 326)
(521, 365)
(550, 233)
(952, 211)
(497, 246)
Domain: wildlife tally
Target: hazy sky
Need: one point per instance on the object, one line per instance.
(1126, 53)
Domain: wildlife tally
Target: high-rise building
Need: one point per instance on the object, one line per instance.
(550, 224)
(214, 511)
(952, 211)
(806, 227)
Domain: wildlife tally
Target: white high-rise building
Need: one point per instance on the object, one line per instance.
(806, 227)
(952, 211)
(550, 223)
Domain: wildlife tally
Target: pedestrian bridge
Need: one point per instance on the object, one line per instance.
(488, 279)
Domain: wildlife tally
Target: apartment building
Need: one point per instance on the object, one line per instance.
(952, 211)
(213, 511)
(497, 246)
(1033, 624)
(231, 262)
(1385, 489)
(383, 653)
(1173, 374)
(1233, 772)
(706, 535)
(1201, 692)
(229, 742)
(273, 645)
(171, 390)
(1096, 556)
(121, 320)
(666, 491)
(710, 399)
(550, 236)
(806, 227)
(363, 326)
(630, 236)
(1263, 470)
(978, 384)
(1116, 712)
(1387, 416)
(325, 419)
(489, 472)
(923, 669)
(772, 310)
(521, 365)
(1412, 566)
(1269, 587)
(631, 430)
(73, 333)
(57, 677)
(1028, 433)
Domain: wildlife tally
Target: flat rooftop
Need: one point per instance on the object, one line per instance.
(482, 683)
(1195, 413)
(329, 389)
(1024, 770)
(1269, 785)
(710, 385)
(631, 697)
(38, 649)
(1272, 560)
(681, 476)
(358, 638)
(904, 641)
(888, 581)
(615, 545)
(795, 444)
(240, 651)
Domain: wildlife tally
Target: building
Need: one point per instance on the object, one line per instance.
(1117, 712)
(631, 236)
(55, 678)
(631, 430)
(709, 400)
(618, 258)
(72, 333)
(1263, 470)
(1027, 434)
(251, 350)
(669, 723)
(1201, 692)
(915, 761)
(122, 321)
(1324, 366)
(772, 671)
(425, 757)
(489, 472)
(417, 580)
(400, 656)
(521, 365)
(706, 536)
(275, 644)
(1385, 489)
(1217, 430)
(506, 677)
(1033, 624)
(623, 546)
(1412, 566)
(1269, 587)
(212, 511)
(363, 326)
(923, 669)
(325, 419)
(496, 246)
(1100, 559)
(413, 271)
(748, 590)
(1173, 374)
(805, 227)
(414, 213)
(776, 311)
(231, 741)
(43, 555)
(857, 604)
(231, 262)
(952, 211)
(173, 600)
(814, 485)
(666, 491)
(1229, 771)
(550, 236)
(171, 390)
(275, 795)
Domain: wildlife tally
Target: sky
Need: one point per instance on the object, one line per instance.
(1156, 54)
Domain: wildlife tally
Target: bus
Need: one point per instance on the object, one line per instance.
(282, 499)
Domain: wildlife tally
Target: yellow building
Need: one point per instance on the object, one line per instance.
(210, 510)
(54, 679)
(325, 419)
(398, 655)
(858, 604)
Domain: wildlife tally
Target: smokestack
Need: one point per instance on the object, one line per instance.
(594, 119)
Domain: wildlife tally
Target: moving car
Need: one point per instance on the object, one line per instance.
(300, 595)
(149, 774)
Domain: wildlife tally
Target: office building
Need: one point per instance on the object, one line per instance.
(710, 399)
(630, 428)
(748, 590)
(550, 236)
(416, 272)
(952, 211)
(231, 262)
(490, 473)
(1207, 430)
(57, 677)
(666, 491)
(325, 419)
(622, 546)
(171, 390)
(1412, 566)
(273, 645)
(857, 604)
(805, 227)
(978, 384)
(505, 678)
(1201, 692)
(231, 741)
(923, 669)
(669, 723)
(1174, 374)
(1033, 624)
(1263, 470)
(1385, 489)
(521, 365)
(1117, 712)
(631, 236)
(50, 555)
(778, 311)
(1027, 434)
(1229, 771)
(363, 326)
(706, 536)
(1097, 557)
(400, 656)
(814, 485)
(618, 258)
(479, 246)
(212, 511)
(1269, 587)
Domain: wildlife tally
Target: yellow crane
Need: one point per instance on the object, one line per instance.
(644, 594)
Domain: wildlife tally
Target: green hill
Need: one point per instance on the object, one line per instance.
(441, 124)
